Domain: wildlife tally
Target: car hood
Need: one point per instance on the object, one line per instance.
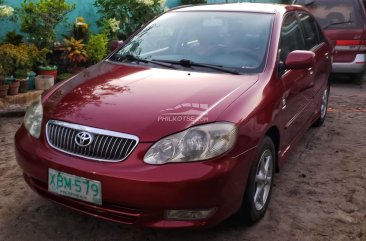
(147, 102)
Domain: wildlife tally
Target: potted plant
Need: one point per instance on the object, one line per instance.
(48, 70)
(80, 29)
(22, 76)
(14, 87)
(22, 56)
(11, 56)
(75, 54)
(19, 58)
(31, 80)
(3, 85)
(44, 82)
(43, 65)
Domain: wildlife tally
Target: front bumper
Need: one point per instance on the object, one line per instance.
(358, 65)
(138, 193)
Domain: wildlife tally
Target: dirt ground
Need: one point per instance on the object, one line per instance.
(319, 195)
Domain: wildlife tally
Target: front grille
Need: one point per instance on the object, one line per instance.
(106, 145)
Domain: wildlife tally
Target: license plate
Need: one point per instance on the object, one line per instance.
(74, 186)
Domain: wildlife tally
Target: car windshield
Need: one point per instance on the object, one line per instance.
(235, 42)
(335, 14)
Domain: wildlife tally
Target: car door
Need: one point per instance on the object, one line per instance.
(315, 42)
(297, 84)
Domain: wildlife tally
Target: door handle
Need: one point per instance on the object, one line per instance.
(311, 72)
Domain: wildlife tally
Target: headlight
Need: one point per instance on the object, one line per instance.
(33, 118)
(194, 144)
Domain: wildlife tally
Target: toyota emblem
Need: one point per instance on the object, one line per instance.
(83, 139)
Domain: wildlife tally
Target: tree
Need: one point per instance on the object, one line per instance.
(39, 20)
(131, 14)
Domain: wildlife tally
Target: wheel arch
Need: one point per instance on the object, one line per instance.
(274, 134)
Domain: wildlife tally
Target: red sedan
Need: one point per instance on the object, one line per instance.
(186, 123)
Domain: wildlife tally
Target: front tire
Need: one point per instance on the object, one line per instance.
(260, 184)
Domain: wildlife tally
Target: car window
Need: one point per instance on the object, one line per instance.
(310, 30)
(228, 39)
(335, 14)
(291, 37)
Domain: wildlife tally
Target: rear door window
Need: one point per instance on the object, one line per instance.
(291, 37)
(335, 14)
(311, 32)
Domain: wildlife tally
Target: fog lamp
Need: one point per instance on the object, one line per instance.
(189, 214)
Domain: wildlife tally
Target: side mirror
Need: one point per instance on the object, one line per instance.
(300, 59)
(115, 44)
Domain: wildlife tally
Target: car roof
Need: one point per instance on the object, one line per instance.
(241, 7)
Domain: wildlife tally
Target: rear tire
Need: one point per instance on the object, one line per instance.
(323, 107)
(358, 78)
(260, 184)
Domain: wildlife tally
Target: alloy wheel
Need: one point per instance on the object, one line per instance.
(263, 180)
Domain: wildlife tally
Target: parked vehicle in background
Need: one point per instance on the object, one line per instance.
(186, 123)
(344, 22)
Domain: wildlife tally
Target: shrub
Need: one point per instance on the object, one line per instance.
(74, 51)
(12, 57)
(13, 38)
(131, 13)
(97, 47)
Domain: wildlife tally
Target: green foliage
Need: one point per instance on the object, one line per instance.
(97, 47)
(47, 67)
(13, 38)
(2, 72)
(187, 2)
(23, 56)
(64, 76)
(131, 13)
(39, 20)
(21, 73)
(74, 51)
(12, 58)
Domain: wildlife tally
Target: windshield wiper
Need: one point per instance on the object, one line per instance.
(131, 57)
(188, 63)
(337, 23)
